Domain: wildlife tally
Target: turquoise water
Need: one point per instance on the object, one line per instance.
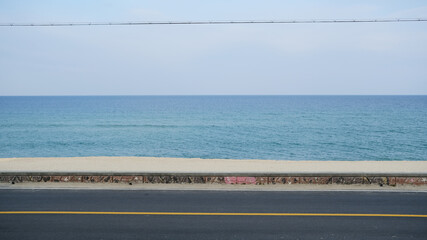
(254, 127)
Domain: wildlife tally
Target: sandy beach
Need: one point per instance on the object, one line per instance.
(147, 165)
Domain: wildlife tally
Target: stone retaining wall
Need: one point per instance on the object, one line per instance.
(389, 181)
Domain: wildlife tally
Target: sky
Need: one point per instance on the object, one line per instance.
(251, 59)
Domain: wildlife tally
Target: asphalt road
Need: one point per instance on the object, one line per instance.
(149, 226)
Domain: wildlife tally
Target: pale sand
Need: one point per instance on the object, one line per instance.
(207, 166)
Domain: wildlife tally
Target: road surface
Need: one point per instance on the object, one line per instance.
(148, 214)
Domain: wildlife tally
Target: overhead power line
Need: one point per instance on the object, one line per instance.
(72, 24)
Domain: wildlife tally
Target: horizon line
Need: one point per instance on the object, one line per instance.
(201, 95)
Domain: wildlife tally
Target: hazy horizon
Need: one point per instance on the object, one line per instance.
(207, 95)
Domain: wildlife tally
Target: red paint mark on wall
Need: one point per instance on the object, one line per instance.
(240, 180)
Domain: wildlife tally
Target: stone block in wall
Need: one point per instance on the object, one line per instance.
(197, 180)
(88, 179)
(158, 179)
(411, 180)
(131, 179)
(4, 178)
(152, 179)
(139, 179)
(35, 178)
(347, 180)
(315, 180)
(19, 179)
(93, 179)
(230, 180)
(24, 178)
(277, 180)
(180, 179)
(283, 180)
(246, 180)
(292, 180)
(216, 180)
(116, 179)
(185, 179)
(261, 180)
(14, 179)
(376, 180)
(391, 181)
(172, 179)
(307, 180)
(55, 178)
(71, 178)
(46, 178)
(240, 180)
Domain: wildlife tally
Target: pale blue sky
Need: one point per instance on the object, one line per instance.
(365, 58)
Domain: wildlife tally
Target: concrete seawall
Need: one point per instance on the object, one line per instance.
(145, 170)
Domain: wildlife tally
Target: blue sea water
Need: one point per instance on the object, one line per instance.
(241, 127)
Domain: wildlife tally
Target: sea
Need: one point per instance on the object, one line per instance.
(228, 127)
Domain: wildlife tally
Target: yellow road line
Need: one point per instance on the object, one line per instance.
(217, 214)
